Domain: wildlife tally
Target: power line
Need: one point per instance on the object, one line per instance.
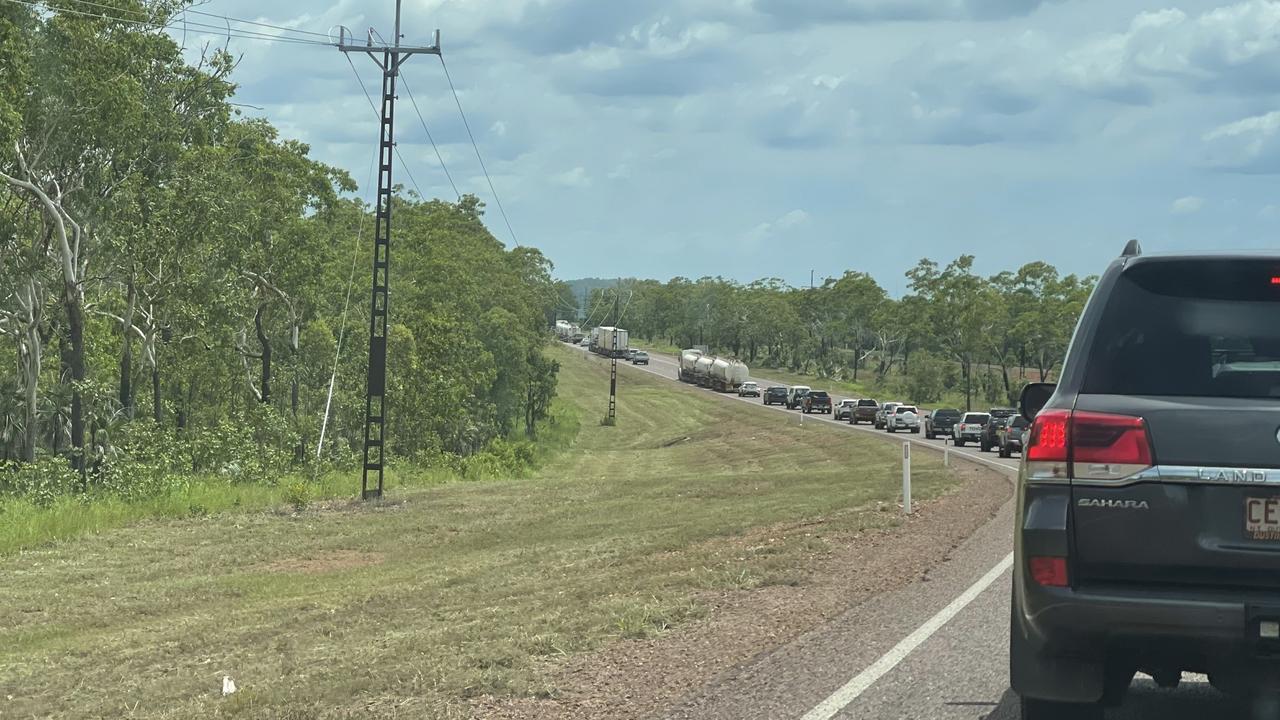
(373, 107)
(215, 30)
(471, 135)
(405, 84)
(224, 18)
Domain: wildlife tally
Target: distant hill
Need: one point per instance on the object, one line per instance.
(583, 287)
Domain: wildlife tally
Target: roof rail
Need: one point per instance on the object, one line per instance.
(1132, 249)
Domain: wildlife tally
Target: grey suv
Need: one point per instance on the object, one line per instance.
(1148, 516)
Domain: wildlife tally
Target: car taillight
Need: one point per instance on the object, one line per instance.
(1086, 446)
(1049, 571)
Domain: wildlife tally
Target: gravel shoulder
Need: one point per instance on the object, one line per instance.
(691, 671)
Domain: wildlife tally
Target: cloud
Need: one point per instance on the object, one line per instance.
(1234, 49)
(1251, 145)
(576, 177)
(799, 13)
(1187, 205)
(768, 230)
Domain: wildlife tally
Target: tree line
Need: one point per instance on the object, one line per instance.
(174, 279)
(953, 332)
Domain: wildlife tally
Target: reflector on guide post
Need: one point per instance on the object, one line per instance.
(906, 477)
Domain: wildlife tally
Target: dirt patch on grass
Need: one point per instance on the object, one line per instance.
(642, 678)
(318, 564)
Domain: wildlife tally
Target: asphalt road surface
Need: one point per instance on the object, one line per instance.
(936, 649)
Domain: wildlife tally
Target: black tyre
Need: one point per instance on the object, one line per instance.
(891, 429)
(1005, 453)
(1045, 710)
(915, 431)
(959, 443)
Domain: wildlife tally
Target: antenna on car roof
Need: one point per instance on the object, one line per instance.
(1132, 249)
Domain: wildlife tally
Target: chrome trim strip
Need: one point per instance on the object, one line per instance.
(1193, 475)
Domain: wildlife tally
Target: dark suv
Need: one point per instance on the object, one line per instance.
(1148, 516)
(990, 432)
(816, 401)
(940, 422)
(776, 395)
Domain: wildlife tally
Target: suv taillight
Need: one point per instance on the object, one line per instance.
(1086, 446)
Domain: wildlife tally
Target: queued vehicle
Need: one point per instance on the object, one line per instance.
(795, 396)
(631, 353)
(1148, 522)
(990, 432)
(939, 422)
(775, 395)
(885, 411)
(969, 429)
(844, 409)
(1010, 436)
(640, 357)
(866, 411)
(749, 389)
(816, 401)
(904, 417)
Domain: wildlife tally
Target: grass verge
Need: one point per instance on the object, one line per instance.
(412, 606)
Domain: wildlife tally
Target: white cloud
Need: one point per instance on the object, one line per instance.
(767, 230)
(1248, 145)
(1187, 205)
(576, 177)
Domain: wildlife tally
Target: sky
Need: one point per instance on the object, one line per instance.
(772, 138)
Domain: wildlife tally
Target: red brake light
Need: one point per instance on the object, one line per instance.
(1049, 571)
(1113, 439)
(1099, 446)
(1048, 439)
(1275, 280)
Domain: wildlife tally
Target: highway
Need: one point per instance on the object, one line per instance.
(935, 649)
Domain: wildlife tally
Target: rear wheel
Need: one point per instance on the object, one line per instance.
(959, 443)
(1004, 453)
(915, 431)
(1045, 710)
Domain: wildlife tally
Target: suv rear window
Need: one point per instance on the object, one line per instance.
(904, 409)
(868, 403)
(946, 413)
(976, 419)
(1205, 328)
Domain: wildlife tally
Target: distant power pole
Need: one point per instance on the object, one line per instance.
(375, 408)
(613, 364)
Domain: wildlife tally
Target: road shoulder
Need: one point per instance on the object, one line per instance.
(699, 669)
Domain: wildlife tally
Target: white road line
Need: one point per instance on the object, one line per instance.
(851, 690)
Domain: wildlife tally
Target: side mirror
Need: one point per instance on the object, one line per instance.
(1034, 397)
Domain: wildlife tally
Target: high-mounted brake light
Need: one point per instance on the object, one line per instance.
(1087, 446)
(1275, 280)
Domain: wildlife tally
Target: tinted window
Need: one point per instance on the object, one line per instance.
(948, 414)
(977, 418)
(818, 394)
(1018, 422)
(1182, 328)
(867, 403)
(905, 409)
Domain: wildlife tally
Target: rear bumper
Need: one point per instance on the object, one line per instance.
(1078, 632)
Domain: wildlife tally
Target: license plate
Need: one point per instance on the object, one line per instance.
(1262, 518)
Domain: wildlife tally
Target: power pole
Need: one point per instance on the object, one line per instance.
(389, 58)
(613, 365)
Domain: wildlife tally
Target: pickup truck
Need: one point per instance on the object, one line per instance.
(817, 401)
(939, 422)
(969, 429)
(865, 411)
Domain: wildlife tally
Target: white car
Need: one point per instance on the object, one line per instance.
(969, 429)
(904, 417)
(749, 389)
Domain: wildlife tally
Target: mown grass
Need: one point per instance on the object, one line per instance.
(412, 606)
(25, 524)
